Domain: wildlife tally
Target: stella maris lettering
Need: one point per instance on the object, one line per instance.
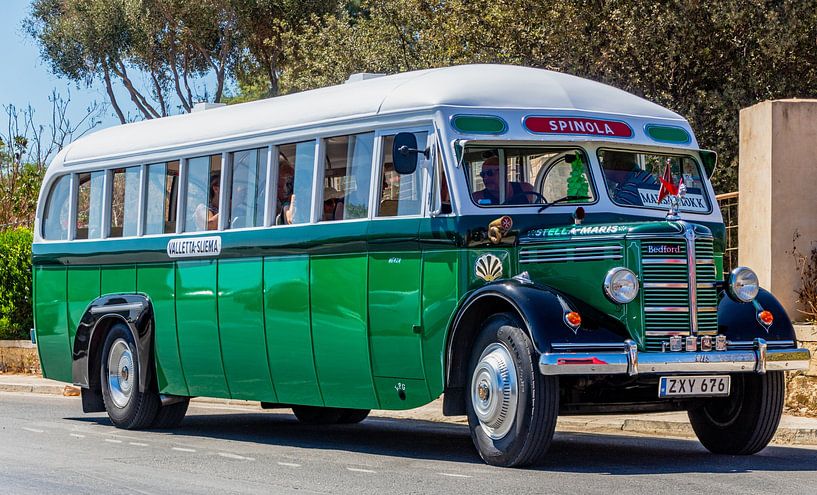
(577, 231)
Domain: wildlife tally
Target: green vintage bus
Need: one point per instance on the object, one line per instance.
(525, 242)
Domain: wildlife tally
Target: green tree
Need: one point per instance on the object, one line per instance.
(705, 60)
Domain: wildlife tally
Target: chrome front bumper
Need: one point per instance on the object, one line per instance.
(757, 356)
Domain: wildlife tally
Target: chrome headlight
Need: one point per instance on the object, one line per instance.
(743, 284)
(621, 285)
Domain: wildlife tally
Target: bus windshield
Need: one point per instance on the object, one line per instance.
(635, 179)
(525, 175)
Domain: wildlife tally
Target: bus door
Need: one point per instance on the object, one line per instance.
(395, 262)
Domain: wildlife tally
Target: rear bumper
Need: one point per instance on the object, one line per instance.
(625, 359)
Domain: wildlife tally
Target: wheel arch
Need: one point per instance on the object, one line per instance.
(506, 296)
(135, 311)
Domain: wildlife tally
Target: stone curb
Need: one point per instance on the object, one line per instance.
(579, 424)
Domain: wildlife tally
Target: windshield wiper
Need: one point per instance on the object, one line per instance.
(571, 197)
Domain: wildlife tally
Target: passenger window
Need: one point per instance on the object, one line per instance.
(89, 205)
(296, 170)
(247, 187)
(400, 195)
(346, 178)
(203, 184)
(125, 202)
(55, 220)
(162, 194)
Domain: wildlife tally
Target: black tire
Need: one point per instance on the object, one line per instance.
(745, 422)
(127, 407)
(529, 425)
(315, 415)
(352, 416)
(171, 416)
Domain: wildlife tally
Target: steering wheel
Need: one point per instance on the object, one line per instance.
(514, 200)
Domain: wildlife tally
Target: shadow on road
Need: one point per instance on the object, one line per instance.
(413, 439)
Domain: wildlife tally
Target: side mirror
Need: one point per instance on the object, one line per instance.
(710, 161)
(404, 153)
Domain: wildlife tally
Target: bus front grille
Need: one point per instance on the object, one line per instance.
(666, 290)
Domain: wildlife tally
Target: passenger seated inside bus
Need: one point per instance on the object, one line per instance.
(206, 216)
(515, 192)
(623, 176)
(286, 180)
(332, 204)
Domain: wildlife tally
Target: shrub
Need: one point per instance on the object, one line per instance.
(807, 293)
(15, 283)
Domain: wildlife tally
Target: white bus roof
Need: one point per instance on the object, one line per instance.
(465, 86)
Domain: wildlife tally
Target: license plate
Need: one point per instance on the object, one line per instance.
(694, 386)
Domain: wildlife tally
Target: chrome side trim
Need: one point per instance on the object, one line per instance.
(689, 235)
(665, 333)
(114, 308)
(571, 258)
(630, 361)
(584, 346)
(545, 250)
(705, 261)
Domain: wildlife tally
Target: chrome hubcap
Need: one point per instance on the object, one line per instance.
(120, 373)
(494, 392)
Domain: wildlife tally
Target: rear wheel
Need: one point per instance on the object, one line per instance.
(171, 416)
(351, 416)
(127, 407)
(512, 408)
(745, 422)
(315, 415)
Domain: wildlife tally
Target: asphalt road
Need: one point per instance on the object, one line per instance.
(48, 446)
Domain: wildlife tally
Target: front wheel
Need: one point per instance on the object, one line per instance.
(127, 406)
(745, 422)
(511, 407)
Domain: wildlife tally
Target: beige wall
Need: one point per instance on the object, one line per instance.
(778, 192)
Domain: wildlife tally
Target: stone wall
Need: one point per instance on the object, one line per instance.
(19, 356)
(801, 386)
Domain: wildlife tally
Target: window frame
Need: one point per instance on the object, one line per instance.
(701, 171)
(502, 171)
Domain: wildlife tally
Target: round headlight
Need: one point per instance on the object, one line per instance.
(743, 284)
(621, 285)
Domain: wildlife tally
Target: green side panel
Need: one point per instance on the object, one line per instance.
(394, 315)
(339, 331)
(118, 279)
(158, 282)
(241, 325)
(401, 393)
(440, 295)
(197, 322)
(289, 332)
(83, 288)
(51, 322)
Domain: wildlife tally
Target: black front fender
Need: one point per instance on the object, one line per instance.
(739, 321)
(135, 311)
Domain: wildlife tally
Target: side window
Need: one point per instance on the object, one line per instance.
(125, 202)
(347, 174)
(568, 177)
(203, 182)
(400, 195)
(162, 194)
(296, 170)
(55, 219)
(89, 205)
(247, 186)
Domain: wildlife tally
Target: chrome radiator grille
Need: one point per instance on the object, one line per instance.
(666, 290)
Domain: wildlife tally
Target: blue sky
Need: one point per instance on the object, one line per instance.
(26, 79)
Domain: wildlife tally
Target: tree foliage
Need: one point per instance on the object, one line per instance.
(173, 43)
(15, 283)
(705, 60)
